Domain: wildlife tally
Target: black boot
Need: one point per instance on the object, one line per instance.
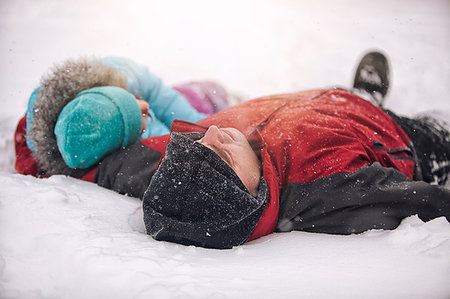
(372, 78)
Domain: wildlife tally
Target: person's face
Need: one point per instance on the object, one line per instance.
(143, 105)
(232, 146)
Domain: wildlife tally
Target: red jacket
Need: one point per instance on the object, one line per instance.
(329, 158)
(305, 136)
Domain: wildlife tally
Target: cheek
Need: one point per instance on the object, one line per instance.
(144, 110)
(248, 170)
(144, 123)
(143, 105)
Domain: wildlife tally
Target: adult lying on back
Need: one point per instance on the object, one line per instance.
(322, 161)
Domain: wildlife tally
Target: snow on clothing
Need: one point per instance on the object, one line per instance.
(333, 163)
(72, 77)
(196, 198)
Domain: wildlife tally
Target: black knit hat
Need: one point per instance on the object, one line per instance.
(195, 198)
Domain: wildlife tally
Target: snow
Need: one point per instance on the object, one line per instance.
(63, 238)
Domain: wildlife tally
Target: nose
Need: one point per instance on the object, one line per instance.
(213, 136)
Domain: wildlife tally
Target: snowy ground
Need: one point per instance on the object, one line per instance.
(62, 238)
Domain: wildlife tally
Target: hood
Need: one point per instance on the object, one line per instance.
(57, 89)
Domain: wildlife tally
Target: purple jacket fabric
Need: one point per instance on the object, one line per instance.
(206, 97)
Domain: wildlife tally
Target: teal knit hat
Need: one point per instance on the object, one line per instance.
(96, 122)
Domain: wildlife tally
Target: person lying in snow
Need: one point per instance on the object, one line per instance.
(75, 92)
(322, 160)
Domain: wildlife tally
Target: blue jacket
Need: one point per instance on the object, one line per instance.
(165, 103)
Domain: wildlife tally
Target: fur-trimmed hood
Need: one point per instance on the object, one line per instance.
(57, 89)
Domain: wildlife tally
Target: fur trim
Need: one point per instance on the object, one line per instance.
(57, 89)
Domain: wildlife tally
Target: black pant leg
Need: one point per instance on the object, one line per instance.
(431, 141)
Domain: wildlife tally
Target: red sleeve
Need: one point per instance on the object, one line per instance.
(25, 162)
(90, 176)
(157, 143)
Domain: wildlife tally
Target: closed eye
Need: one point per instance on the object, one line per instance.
(222, 154)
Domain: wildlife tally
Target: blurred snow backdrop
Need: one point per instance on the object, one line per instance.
(62, 238)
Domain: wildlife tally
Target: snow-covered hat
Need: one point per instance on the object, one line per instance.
(195, 198)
